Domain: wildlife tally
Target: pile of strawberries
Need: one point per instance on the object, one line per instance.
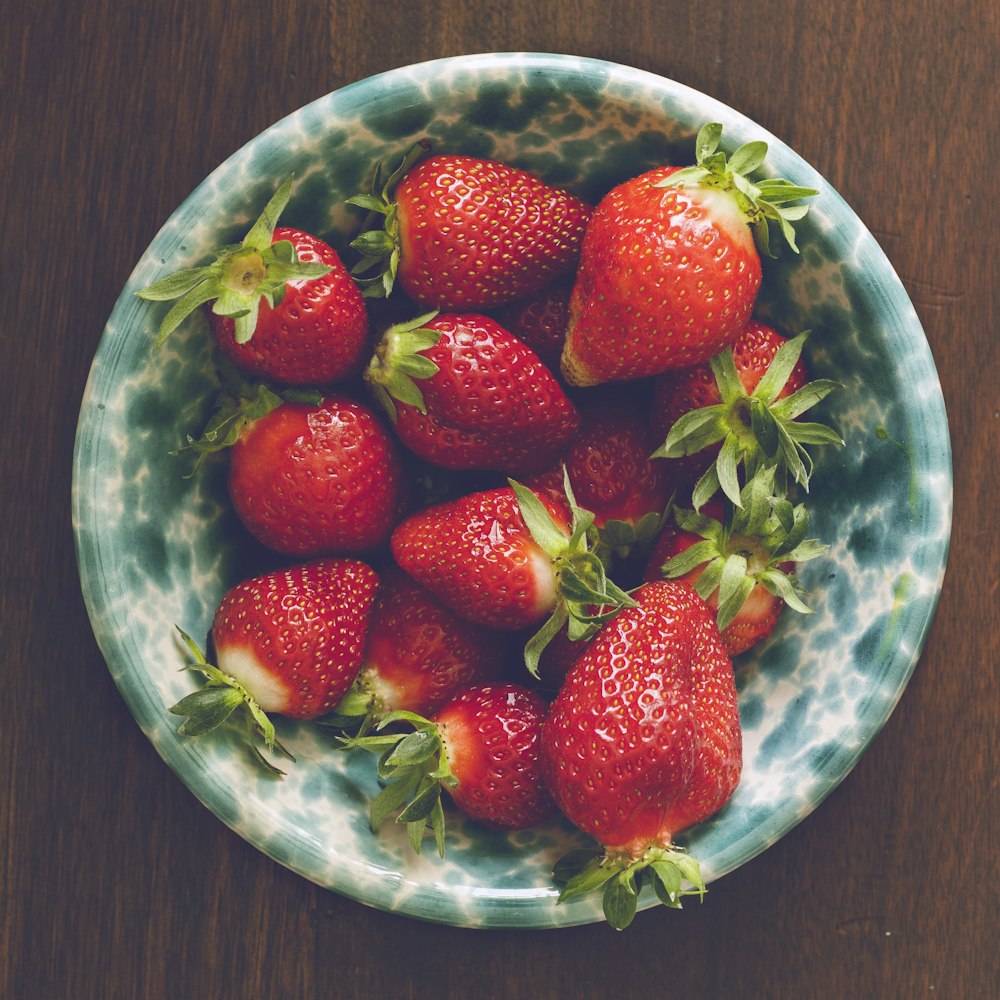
(528, 467)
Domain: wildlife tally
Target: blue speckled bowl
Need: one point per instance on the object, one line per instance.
(156, 549)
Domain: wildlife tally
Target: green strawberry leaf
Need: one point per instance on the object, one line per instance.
(391, 799)
(621, 899)
(589, 879)
(544, 530)
(427, 796)
(206, 709)
(573, 863)
(780, 369)
(667, 883)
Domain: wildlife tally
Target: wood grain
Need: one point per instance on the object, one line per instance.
(114, 881)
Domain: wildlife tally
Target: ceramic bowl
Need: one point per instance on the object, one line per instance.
(156, 549)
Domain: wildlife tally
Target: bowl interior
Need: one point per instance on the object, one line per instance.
(156, 549)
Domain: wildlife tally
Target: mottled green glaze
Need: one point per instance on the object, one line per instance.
(157, 549)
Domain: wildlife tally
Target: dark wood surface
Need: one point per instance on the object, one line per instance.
(114, 881)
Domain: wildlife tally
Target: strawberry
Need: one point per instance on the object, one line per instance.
(465, 233)
(417, 655)
(482, 747)
(611, 472)
(642, 742)
(510, 558)
(541, 321)
(669, 269)
(288, 642)
(320, 479)
(463, 393)
(741, 408)
(741, 560)
(284, 307)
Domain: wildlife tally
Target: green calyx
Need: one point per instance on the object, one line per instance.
(765, 203)
(357, 713)
(379, 240)
(586, 596)
(618, 540)
(239, 277)
(240, 403)
(621, 878)
(398, 364)
(757, 430)
(219, 700)
(413, 767)
(747, 548)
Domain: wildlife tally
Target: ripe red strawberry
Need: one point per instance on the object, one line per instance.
(417, 655)
(611, 472)
(508, 559)
(643, 741)
(669, 271)
(317, 479)
(740, 560)
(477, 555)
(740, 408)
(541, 321)
(463, 393)
(284, 307)
(465, 233)
(482, 746)
(288, 642)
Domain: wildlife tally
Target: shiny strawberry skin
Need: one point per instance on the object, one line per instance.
(754, 622)
(317, 333)
(475, 554)
(318, 480)
(719, 736)
(491, 405)
(492, 738)
(667, 278)
(643, 739)
(294, 638)
(475, 233)
(608, 462)
(541, 321)
(418, 652)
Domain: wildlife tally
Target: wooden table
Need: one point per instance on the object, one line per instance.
(114, 881)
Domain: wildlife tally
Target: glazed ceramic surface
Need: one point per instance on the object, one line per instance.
(157, 549)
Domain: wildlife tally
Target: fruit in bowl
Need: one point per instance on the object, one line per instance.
(811, 696)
